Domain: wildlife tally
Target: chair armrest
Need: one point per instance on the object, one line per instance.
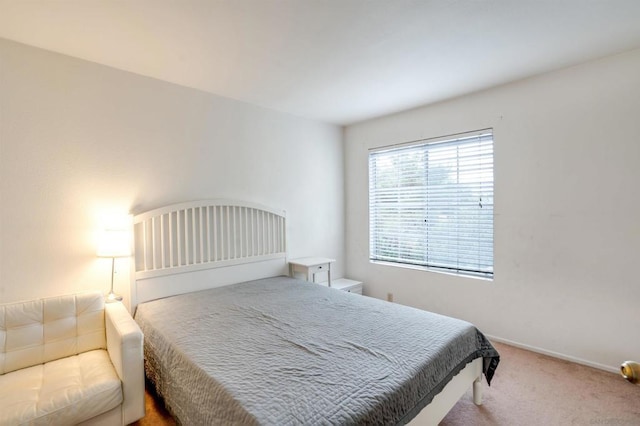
(124, 344)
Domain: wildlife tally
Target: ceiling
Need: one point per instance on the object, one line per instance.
(336, 61)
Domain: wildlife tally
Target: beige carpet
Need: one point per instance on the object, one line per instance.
(528, 389)
(534, 389)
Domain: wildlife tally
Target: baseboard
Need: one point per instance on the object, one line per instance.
(555, 354)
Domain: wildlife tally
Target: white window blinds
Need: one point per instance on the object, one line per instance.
(431, 204)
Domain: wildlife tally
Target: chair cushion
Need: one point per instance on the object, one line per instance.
(65, 391)
(43, 330)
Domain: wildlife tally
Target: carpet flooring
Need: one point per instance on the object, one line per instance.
(528, 389)
(533, 389)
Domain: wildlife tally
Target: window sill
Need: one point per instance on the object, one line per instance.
(428, 269)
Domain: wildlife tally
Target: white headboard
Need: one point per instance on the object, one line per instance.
(203, 244)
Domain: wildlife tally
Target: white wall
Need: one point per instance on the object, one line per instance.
(78, 140)
(567, 211)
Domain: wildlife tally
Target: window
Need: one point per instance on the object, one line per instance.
(431, 204)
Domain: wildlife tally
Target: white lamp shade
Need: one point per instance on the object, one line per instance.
(114, 243)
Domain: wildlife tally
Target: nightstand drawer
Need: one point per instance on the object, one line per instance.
(350, 286)
(355, 290)
(319, 268)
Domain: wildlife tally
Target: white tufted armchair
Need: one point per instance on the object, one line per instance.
(70, 360)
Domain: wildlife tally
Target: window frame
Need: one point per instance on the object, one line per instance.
(458, 220)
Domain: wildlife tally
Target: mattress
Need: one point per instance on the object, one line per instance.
(281, 351)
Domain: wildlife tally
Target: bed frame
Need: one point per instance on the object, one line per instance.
(222, 242)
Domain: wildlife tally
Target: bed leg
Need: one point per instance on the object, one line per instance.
(477, 391)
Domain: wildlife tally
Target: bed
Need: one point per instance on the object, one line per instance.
(230, 340)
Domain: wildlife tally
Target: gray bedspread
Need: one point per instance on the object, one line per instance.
(281, 351)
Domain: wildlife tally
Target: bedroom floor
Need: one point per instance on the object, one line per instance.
(156, 414)
(528, 389)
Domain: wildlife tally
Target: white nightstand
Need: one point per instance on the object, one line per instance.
(310, 266)
(350, 286)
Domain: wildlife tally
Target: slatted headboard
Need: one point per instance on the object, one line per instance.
(202, 244)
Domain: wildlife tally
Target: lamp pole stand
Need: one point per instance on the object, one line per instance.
(112, 297)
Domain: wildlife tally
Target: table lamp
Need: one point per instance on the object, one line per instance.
(114, 243)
